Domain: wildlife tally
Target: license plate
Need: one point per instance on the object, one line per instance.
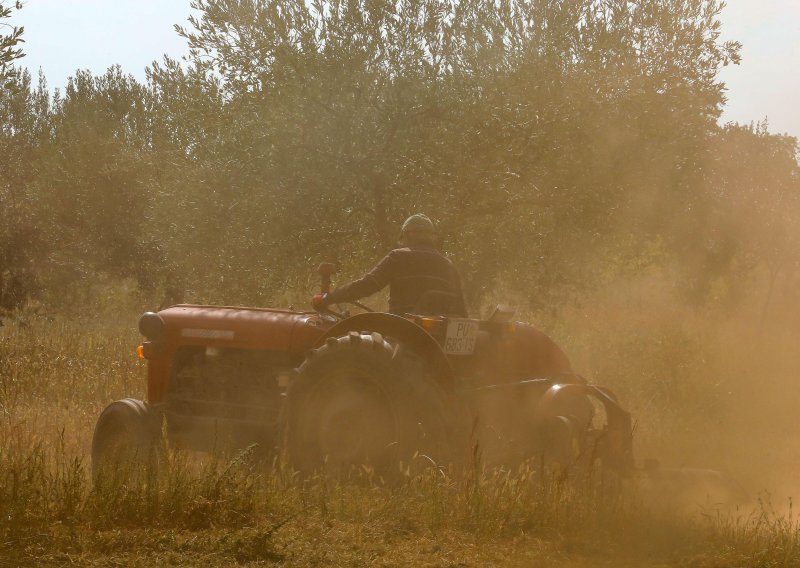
(461, 336)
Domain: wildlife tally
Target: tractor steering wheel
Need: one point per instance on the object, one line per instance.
(360, 305)
(343, 315)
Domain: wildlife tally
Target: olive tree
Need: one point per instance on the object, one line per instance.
(9, 41)
(519, 126)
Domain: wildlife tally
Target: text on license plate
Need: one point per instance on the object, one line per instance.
(461, 336)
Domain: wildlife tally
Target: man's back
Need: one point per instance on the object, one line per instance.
(417, 272)
(420, 278)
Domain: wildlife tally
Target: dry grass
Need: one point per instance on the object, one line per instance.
(57, 375)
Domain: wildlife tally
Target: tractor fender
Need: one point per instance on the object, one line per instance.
(403, 331)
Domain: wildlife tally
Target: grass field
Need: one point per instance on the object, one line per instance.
(57, 374)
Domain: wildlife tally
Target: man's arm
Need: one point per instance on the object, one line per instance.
(372, 282)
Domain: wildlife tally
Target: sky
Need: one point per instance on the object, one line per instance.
(62, 36)
(767, 83)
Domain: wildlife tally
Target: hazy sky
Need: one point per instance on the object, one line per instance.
(767, 83)
(62, 36)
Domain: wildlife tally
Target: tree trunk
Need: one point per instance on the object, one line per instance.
(382, 229)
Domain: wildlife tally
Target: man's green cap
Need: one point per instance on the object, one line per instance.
(418, 229)
(418, 223)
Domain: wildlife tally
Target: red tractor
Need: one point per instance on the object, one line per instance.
(372, 388)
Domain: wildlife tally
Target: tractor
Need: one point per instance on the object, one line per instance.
(338, 391)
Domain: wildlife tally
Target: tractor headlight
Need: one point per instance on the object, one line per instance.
(152, 326)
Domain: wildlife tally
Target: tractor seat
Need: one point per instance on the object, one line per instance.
(438, 303)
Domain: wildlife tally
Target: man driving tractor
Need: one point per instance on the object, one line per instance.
(420, 278)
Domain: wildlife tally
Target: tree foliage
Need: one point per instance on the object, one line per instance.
(9, 41)
(558, 145)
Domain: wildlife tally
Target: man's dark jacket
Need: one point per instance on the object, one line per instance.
(412, 273)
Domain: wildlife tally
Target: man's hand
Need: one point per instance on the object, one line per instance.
(320, 301)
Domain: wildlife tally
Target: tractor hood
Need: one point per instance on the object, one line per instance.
(244, 328)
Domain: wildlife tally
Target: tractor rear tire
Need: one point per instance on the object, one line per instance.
(360, 401)
(127, 446)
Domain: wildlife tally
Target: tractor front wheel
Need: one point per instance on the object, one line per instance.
(127, 446)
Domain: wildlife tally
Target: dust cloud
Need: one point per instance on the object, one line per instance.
(711, 387)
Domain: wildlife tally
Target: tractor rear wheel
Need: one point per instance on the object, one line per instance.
(360, 401)
(127, 446)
